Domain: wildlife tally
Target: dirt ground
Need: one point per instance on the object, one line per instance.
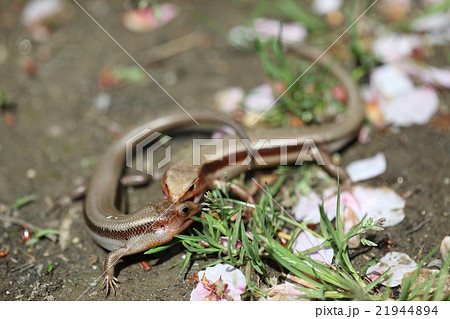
(59, 135)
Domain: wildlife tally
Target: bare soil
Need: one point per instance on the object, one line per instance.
(59, 136)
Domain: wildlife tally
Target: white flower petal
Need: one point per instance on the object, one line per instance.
(414, 107)
(264, 29)
(367, 168)
(230, 275)
(379, 203)
(37, 10)
(395, 47)
(432, 22)
(259, 98)
(307, 208)
(428, 74)
(389, 81)
(241, 37)
(400, 264)
(326, 6)
(149, 19)
(284, 292)
(290, 32)
(227, 100)
(305, 240)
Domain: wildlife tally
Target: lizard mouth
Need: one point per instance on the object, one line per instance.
(184, 225)
(197, 198)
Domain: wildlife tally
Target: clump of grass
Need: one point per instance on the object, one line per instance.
(253, 244)
(308, 98)
(423, 290)
(258, 236)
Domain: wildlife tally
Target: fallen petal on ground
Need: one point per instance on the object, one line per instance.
(289, 33)
(219, 283)
(284, 292)
(367, 168)
(323, 7)
(390, 81)
(264, 29)
(259, 99)
(150, 18)
(393, 47)
(229, 99)
(400, 265)
(360, 201)
(382, 202)
(415, 107)
(437, 77)
(305, 240)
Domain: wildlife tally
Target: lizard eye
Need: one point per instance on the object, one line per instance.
(192, 187)
(185, 210)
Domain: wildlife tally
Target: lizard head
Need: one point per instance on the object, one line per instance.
(180, 185)
(177, 216)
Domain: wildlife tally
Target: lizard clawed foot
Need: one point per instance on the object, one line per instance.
(110, 283)
(62, 203)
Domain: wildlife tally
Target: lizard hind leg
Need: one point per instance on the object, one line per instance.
(110, 283)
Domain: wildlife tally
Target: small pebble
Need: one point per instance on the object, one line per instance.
(31, 173)
(103, 101)
(437, 263)
(54, 131)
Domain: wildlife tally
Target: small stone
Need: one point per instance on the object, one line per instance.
(103, 101)
(31, 173)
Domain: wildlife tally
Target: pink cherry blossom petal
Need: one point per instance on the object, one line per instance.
(264, 29)
(400, 264)
(381, 202)
(259, 98)
(232, 277)
(38, 10)
(284, 292)
(229, 99)
(367, 168)
(305, 240)
(433, 22)
(428, 74)
(323, 7)
(360, 201)
(414, 107)
(307, 207)
(389, 81)
(396, 47)
(148, 19)
(41, 16)
(291, 33)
